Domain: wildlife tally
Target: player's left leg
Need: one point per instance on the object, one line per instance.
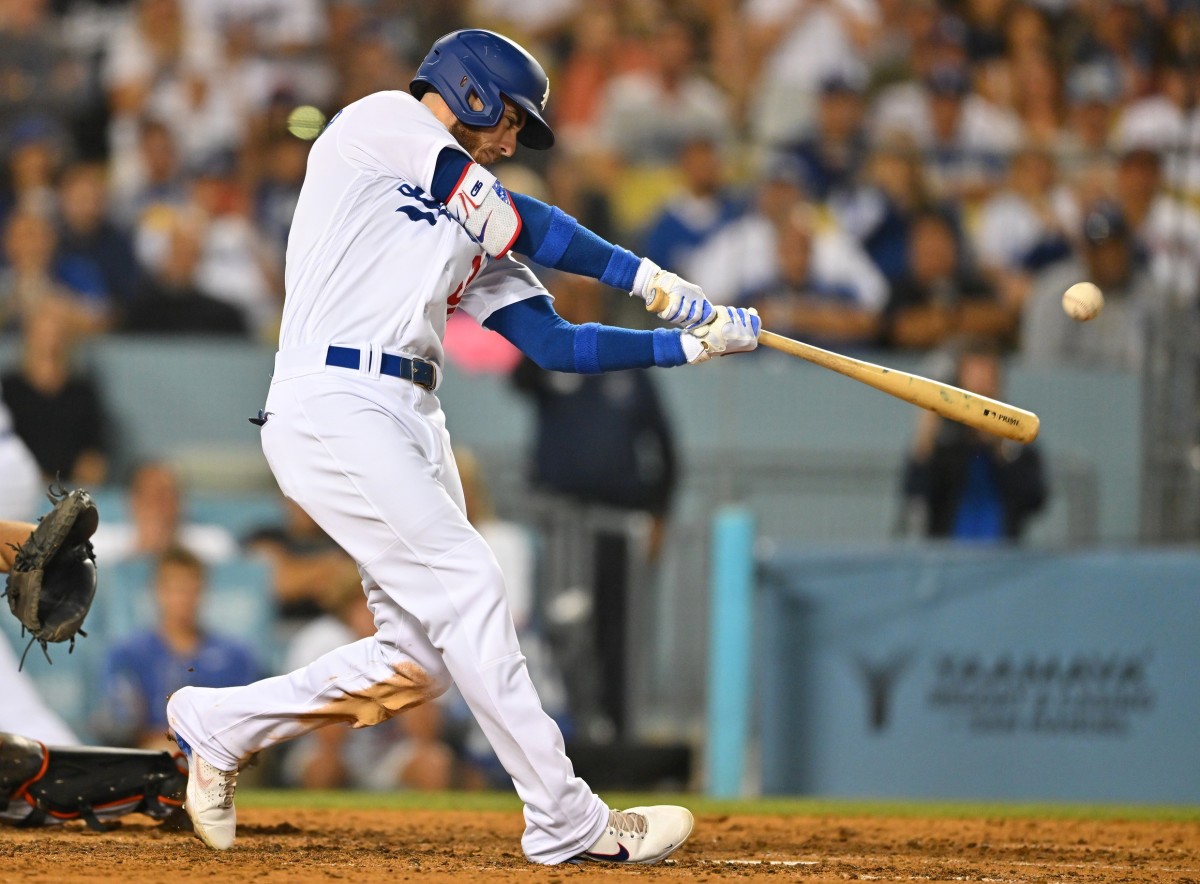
(360, 684)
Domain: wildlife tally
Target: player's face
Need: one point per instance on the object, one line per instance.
(486, 144)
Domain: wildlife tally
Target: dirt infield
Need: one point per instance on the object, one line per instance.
(323, 845)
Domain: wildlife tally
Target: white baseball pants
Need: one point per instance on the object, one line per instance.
(368, 457)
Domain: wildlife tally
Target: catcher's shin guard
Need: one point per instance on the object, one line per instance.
(41, 785)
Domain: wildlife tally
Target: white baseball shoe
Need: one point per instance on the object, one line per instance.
(209, 799)
(641, 835)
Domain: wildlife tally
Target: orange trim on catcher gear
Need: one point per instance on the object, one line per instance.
(22, 792)
(74, 815)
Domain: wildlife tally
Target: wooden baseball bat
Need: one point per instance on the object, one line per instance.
(950, 402)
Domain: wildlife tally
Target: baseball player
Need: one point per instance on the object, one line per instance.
(399, 224)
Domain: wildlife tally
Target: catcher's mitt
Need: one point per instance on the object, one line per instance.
(53, 581)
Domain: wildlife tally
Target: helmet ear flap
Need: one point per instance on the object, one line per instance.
(476, 83)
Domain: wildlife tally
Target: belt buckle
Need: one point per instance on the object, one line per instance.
(421, 363)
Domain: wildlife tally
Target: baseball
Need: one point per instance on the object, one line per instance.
(306, 122)
(1083, 301)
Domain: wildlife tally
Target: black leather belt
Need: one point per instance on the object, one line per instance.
(420, 372)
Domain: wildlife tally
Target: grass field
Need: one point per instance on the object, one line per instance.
(703, 806)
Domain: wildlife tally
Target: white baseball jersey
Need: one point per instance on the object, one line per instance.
(372, 257)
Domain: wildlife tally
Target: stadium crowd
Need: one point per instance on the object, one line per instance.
(868, 173)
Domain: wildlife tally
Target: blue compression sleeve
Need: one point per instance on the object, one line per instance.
(549, 236)
(450, 165)
(553, 238)
(557, 345)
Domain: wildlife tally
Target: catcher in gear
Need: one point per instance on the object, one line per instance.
(51, 584)
(52, 576)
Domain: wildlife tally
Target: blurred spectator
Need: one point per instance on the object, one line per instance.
(985, 35)
(964, 484)
(170, 300)
(701, 209)
(1116, 339)
(825, 289)
(1120, 35)
(598, 52)
(646, 116)
(964, 136)
(236, 265)
(1037, 97)
(1166, 230)
(879, 213)
(940, 299)
(794, 46)
(921, 37)
(744, 260)
(33, 277)
(87, 233)
(305, 564)
(156, 523)
(1026, 226)
(405, 752)
(160, 65)
(141, 672)
(1028, 30)
(539, 20)
(57, 411)
(32, 161)
(832, 154)
(37, 73)
(1093, 93)
(370, 66)
(578, 188)
(279, 190)
(603, 440)
(148, 177)
(1168, 122)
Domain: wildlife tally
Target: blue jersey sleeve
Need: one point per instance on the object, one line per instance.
(554, 344)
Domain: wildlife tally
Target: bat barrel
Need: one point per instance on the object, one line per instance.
(980, 412)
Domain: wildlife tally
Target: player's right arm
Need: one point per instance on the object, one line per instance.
(508, 299)
(501, 221)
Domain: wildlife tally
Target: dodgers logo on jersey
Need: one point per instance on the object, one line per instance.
(415, 214)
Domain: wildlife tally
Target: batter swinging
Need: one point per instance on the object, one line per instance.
(397, 226)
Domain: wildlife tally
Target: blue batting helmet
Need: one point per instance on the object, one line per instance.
(485, 64)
